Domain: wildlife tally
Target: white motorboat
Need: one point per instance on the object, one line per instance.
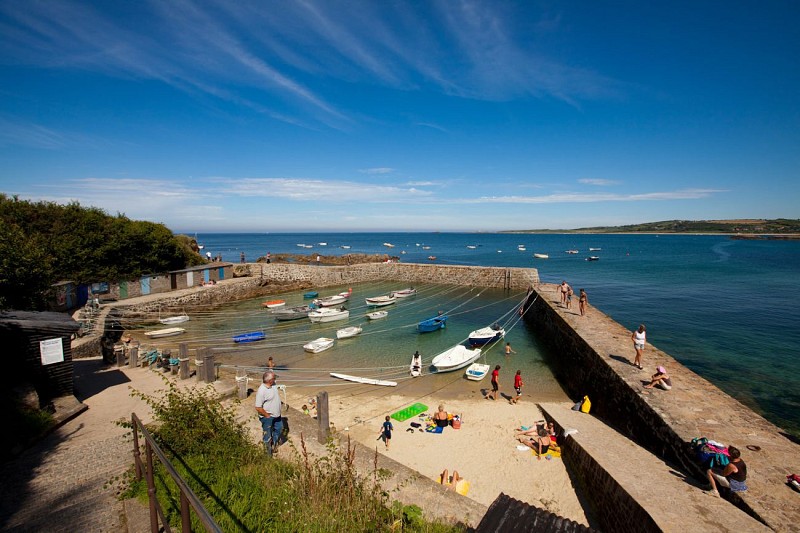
(595, 249)
(319, 345)
(323, 243)
(471, 246)
(376, 315)
(167, 332)
(477, 371)
(367, 381)
(571, 251)
(345, 247)
(454, 358)
(482, 336)
(291, 313)
(404, 293)
(346, 333)
(541, 256)
(388, 245)
(380, 301)
(178, 319)
(592, 258)
(327, 314)
(329, 301)
(522, 248)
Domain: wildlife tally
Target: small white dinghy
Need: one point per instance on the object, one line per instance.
(318, 345)
(167, 332)
(171, 320)
(377, 315)
(477, 371)
(366, 381)
(346, 333)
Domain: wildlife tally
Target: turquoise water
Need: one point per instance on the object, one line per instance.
(725, 308)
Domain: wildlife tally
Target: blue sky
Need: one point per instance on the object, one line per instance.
(388, 115)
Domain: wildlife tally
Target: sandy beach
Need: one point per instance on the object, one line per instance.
(483, 451)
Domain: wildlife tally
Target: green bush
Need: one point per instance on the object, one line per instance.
(246, 490)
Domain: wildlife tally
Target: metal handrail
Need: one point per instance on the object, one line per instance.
(188, 497)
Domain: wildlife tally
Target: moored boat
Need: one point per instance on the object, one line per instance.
(292, 313)
(329, 301)
(482, 336)
(366, 381)
(595, 249)
(377, 315)
(432, 324)
(252, 336)
(310, 294)
(454, 358)
(477, 371)
(178, 319)
(404, 293)
(388, 245)
(432, 258)
(167, 332)
(327, 314)
(319, 345)
(571, 251)
(346, 333)
(592, 258)
(541, 256)
(272, 304)
(380, 301)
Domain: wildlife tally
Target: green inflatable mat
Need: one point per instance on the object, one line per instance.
(408, 412)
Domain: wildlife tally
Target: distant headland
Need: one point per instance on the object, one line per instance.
(742, 228)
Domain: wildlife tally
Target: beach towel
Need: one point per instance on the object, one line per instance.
(412, 410)
(462, 487)
(550, 453)
(434, 429)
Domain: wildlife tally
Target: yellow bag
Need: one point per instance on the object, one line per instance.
(586, 405)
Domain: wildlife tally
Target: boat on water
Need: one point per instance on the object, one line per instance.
(522, 248)
(380, 301)
(541, 256)
(323, 243)
(595, 249)
(346, 333)
(330, 301)
(593, 258)
(482, 336)
(252, 336)
(327, 314)
(310, 294)
(292, 313)
(426, 247)
(272, 304)
(345, 247)
(166, 332)
(388, 245)
(454, 358)
(366, 381)
(477, 371)
(404, 293)
(571, 251)
(432, 324)
(377, 315)
(432, 257)
(471, 246)
(415, 368)
(319, 345)
(178, 319)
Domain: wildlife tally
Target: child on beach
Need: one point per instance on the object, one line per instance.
(386, 432)
(517, 387)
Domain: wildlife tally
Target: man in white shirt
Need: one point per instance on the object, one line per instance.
(268, 406)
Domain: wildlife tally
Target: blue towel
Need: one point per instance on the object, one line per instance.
(434, 429)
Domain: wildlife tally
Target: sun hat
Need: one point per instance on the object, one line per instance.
(661, 369)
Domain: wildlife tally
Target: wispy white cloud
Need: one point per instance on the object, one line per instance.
(315, 190)
(573, 198)
(421, 183)
(598, 181)
(377, 170)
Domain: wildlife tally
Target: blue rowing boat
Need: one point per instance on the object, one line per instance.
(432, 324)
(250, 337)
(310, 294)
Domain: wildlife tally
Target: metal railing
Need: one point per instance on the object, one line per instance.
(188, 497)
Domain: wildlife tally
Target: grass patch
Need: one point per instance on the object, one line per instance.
(246, 490)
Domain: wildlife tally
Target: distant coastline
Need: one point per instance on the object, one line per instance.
(781, 229)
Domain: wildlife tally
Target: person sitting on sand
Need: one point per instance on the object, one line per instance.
(731, 477)
(441, 418)
(660, 379)
(450, 482)
(541, 444)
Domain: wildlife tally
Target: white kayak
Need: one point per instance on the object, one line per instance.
(366, 381)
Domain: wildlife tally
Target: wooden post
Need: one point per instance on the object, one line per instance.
(183, 366)
(208, 366)
(120, 351)
(133, 357)
(322, 418)
(198, 362)
(241, 382)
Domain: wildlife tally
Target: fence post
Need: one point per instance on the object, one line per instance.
(183, 357)
(323, 420)
(151, 488)
(208, 364)
(198, 361)
(241, 382)
(137, 454)
(133, 357)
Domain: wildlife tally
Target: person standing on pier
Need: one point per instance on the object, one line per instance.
(639, 337)
(268, 406)
(495, 383)
(564, 289)
(582, 301)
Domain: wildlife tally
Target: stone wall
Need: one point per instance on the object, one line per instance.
(582, 371)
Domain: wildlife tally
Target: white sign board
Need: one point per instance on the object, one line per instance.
(51, 351)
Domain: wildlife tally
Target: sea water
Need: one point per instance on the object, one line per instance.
(723, 307)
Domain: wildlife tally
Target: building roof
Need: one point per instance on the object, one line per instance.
(507, 514)
(199, 268)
